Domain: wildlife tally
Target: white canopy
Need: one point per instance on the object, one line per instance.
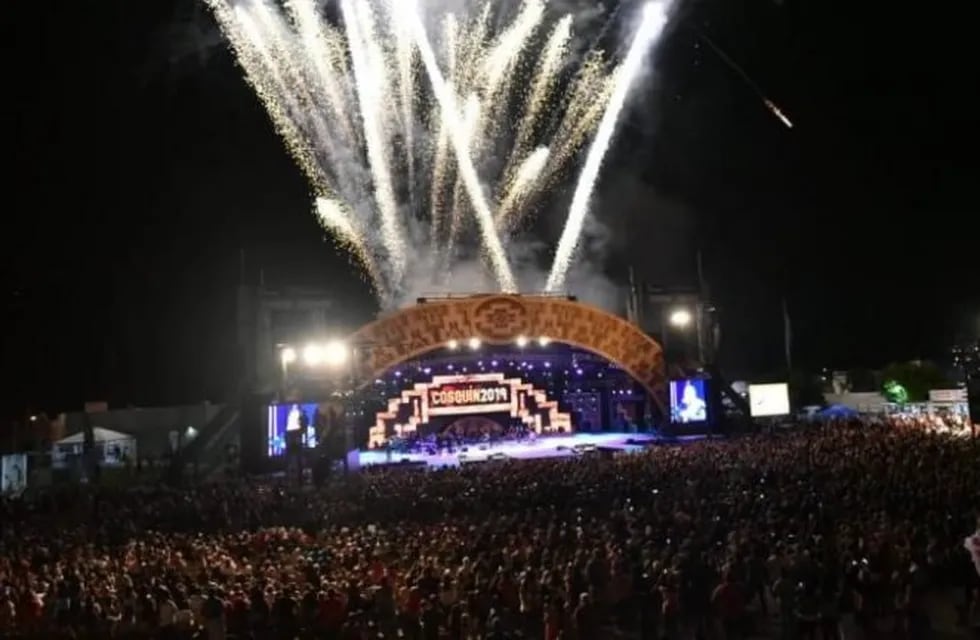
(99, 435)
(113, 447)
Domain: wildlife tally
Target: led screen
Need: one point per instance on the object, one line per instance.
(769, 400)
(13, 473)
(302, 416)
(688, 401)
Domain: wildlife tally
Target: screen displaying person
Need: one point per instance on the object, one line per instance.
(296, 423)
(293, 418)
(692, 407)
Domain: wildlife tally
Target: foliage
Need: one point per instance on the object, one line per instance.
(916, 377)
(805, 389)
(861, 380)
(894, 392)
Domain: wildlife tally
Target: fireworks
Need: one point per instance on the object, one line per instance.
(654, 19)
(416, 133)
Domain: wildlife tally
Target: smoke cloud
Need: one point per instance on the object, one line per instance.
(281, 55)
(530, 257)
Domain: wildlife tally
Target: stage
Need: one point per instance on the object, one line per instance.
(544, 447)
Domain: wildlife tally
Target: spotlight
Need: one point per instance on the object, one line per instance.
(474, 343)
(335, 353)
(288, 355)
(680, 318)
(453, 344)
(544, 341)
(312, 355)
(521, 341)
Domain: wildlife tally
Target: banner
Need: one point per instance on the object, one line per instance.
(465, 395)
(947, 395)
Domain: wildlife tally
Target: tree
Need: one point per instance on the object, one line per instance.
(861, 380)
(895, 392)
(916, 377)
(805, 388)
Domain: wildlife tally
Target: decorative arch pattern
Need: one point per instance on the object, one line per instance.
(501, 319)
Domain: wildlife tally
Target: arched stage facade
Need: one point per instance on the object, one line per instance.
(506, 319)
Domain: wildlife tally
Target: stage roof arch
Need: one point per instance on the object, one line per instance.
(503, 319)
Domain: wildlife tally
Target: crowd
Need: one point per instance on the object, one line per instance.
(835, 531)
(940, 423)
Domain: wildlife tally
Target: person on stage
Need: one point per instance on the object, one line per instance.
(693, 407)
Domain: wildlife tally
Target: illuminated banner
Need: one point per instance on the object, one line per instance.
(947, 395)
(460, 395)
(469, 395)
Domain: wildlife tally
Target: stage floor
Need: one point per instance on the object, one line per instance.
(546, 447)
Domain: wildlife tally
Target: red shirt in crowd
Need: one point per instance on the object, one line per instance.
(728, 601)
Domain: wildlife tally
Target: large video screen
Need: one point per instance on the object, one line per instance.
(293, 416)
(688, 401)
(13, 473)
(769, 400)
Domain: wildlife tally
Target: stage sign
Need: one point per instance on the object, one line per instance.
(460, 395)
(485, 396)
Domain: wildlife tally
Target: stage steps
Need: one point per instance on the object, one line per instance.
(207, 450)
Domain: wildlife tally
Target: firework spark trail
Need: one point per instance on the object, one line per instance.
(379, 59)
(586, 102)
(472, 51)
(440, 169)
(345, 99)
(471, 118)
(450, 113)
(541, 88)
(472, 44)
(336, 47)
(333, 217)
(406, 76)
(509, 44)
(737, 68)
(776, 111)
(370, 99)
(498, 74)
(494, 81)
(271, 32)
(318, 42)
(261, 73)
(654, 19)
(522, 183)
(297, 79)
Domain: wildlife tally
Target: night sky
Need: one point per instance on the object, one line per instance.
(142, 165)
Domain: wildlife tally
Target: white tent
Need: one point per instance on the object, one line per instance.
(112, 447)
